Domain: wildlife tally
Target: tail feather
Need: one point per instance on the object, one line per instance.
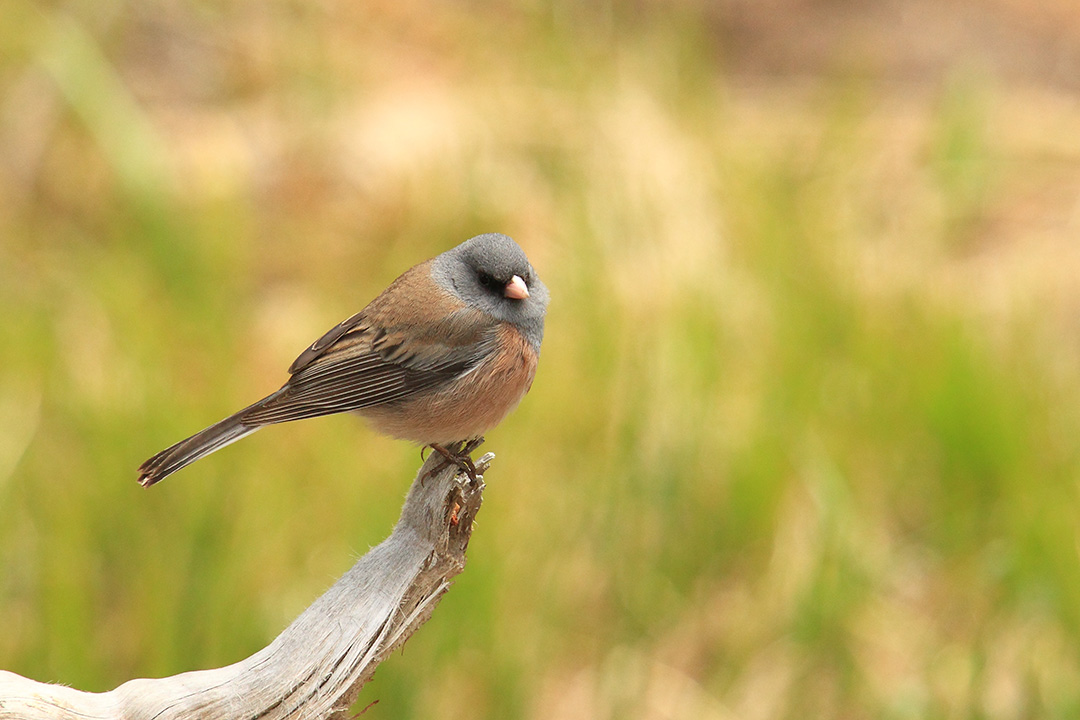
(198, 445)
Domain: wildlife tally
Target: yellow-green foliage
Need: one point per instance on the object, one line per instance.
(805, 437)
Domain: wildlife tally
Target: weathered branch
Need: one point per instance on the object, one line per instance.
(316, 666)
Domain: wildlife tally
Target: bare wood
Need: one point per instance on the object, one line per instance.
(316, 666)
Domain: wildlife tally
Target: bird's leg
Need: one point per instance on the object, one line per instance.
(460, 456)
(462, 460)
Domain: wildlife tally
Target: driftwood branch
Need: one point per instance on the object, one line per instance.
(316, 666)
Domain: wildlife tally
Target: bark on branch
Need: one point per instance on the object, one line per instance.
(316, 666)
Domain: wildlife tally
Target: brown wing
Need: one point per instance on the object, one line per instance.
(318, 347)
(413, 337)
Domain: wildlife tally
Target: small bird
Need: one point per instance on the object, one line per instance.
(440, 357)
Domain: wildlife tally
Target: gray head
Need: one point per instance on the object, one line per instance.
(491, 273)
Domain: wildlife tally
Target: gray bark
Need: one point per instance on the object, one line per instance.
(317, 665)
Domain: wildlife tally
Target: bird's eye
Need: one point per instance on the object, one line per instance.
(489, 282)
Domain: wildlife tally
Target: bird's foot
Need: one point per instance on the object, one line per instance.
(459, 454)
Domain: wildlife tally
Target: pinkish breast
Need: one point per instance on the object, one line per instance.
(470, 405)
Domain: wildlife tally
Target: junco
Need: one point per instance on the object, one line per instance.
(441, 356)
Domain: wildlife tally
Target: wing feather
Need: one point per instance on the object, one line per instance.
(366, 367)
(331, 336)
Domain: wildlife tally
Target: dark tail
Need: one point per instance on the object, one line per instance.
(199, 445)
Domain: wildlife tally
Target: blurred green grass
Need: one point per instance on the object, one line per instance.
(804, 441)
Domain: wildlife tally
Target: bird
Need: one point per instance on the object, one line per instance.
(441, 356)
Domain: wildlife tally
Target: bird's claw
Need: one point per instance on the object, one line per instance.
(459, 456)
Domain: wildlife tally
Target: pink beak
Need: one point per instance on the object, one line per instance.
(516, 289)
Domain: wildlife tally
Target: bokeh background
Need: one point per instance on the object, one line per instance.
(805, 439)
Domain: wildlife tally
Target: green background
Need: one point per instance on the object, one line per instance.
(805, 437)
